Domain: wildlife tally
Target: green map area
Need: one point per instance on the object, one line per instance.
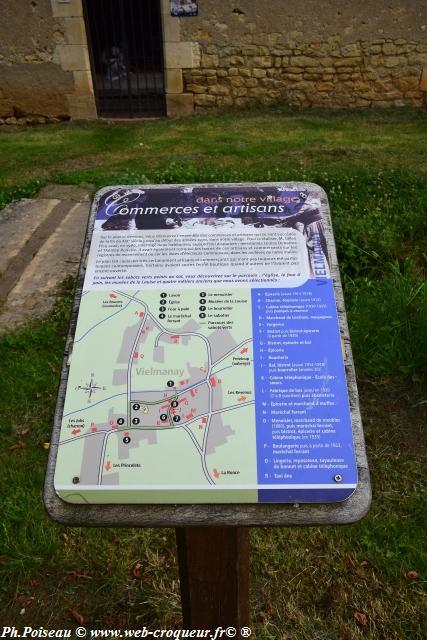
(160, 399)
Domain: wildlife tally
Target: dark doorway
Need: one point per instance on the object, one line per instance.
(126, 51)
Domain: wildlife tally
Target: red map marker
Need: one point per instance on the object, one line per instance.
(216, 473)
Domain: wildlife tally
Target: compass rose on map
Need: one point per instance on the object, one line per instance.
(90, 387)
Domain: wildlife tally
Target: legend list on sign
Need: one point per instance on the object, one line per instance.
(304, 436)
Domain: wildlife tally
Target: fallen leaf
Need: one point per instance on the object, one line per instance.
(361, 618)
(46, 445)
(33, 582)
(64, 537)
(76, 616)
(18, 445)
(137, 570)
(364, 563)
(410, 576)
(24, 432)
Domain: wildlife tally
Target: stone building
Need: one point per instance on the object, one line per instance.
(123, 58)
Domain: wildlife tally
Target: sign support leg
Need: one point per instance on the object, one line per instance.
(214, 576)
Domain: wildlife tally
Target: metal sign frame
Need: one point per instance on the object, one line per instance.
(211, 515)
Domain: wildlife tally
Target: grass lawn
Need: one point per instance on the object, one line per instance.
(341, 583)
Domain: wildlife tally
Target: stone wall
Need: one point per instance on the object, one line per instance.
(44, 62)
(32, 83)
(314, 53)
(317, 53)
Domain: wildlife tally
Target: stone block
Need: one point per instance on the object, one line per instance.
(274, 37)
(70, 9)
(389, 48)
(173, 81)
(224, 101)
(244, 72)
(182, 55)
(303, 61)
(259, 73)
(233, 71)
(262, 62)
(361, 86)
(423, 80)
(420, 58)
(171, 29)
(393, 61)
(236, 61)
(350, 50)
(222, 73)
(209, 61)
(348, 62)
(251, 82)
(327, 61)
(83, 83)
(82, 107)
(250, 50)
(276, 51)
(179, 104)
(237, 82)
(204, 100)
(219, 90)
(75, 30)
(293, 77)
(267, 82)
(73, 57)
(374, 48)
(195, 88)
(291, 69)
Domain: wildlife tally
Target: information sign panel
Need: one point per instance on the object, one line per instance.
(207, 362)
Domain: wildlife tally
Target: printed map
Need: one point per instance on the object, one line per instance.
(167, 401)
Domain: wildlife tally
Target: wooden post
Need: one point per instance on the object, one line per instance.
(214, 575)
